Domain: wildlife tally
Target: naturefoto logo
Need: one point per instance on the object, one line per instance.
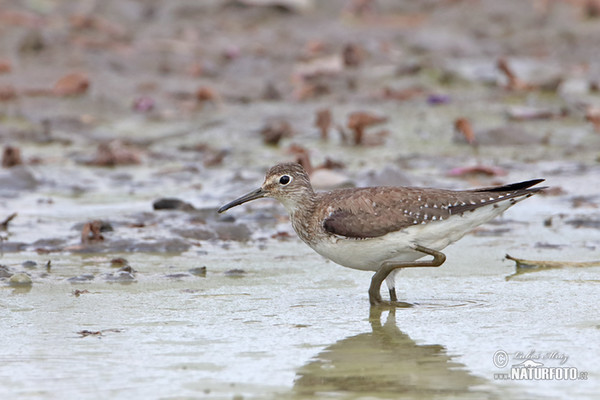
(531, 366)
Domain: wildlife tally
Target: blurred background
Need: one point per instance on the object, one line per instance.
(124, 125)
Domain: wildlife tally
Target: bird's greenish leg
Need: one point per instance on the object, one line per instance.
(389, 266)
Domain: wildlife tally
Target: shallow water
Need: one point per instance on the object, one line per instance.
(270, 319)
(293, 326)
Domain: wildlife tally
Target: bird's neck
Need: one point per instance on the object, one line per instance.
(301, 213)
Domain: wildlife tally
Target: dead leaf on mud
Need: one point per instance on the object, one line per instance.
(115, 153)
(353, 55)
(4, 224)
(463, 126)
(514, 83)
(91, 232)
(390, 93)
(526, 266)
(11, 156)
(360, 120)
(592, 114)
(8, 93)
(323, 122)
(206, 94)
(486, 170)
(72, 84)
(86, 332)
(5, 66)
(275, 130)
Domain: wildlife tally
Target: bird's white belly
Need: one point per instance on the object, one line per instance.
(368, 254)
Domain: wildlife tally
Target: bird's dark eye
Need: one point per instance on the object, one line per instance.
(285, 179)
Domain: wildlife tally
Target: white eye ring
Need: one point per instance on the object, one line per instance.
(285, 180)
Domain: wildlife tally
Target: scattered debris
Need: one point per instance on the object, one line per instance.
(118, 262)
(206, 94)
(390, 93)
(198, 271)
(11, 156)
(143, 104)
(283, 5)
(115, 153)
(592, 114)
(236, 272)
(526, 266)
(168, 203)
(463, 126)
(7, 93)
(4, 224)
(5, 66)
(276, 130)
(514, 83)
(75, 83)
(271, 93)
(91, 232)
(281, 235)
(85, 332)
(81, 278)
(323, 122)
(438, 99)
(353, 55)
(584, 223)
(477, 170)
(360, 120)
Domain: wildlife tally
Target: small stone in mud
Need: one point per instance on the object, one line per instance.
(172, 204)
(118, 262)
(91, 231)
(4, 272)
(127, 268)
(177, 275)
(81, 278)
(11, 157)
(121, 276)
(20, 279)
(198, 271)
(584, 223)
(29, 264)
(235, 272)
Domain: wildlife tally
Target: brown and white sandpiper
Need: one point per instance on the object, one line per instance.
(384, 228)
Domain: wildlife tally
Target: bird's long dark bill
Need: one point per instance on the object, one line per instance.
(256, 194)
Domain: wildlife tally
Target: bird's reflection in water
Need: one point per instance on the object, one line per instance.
(386, 363)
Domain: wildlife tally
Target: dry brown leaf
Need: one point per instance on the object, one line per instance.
(90, 233)
(5, 66)
(276, 130)
(8, 93)
(115, 153)
(514, 83)
(592, 114)
(477, 170)
(323, 122)
(72, 84)
(11, 156)
(401, 94)
(360, 120)
(463, 126)
(353, 55)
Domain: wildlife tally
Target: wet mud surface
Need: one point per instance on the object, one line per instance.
(125, 125)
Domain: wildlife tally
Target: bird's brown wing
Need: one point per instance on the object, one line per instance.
(373, 212)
